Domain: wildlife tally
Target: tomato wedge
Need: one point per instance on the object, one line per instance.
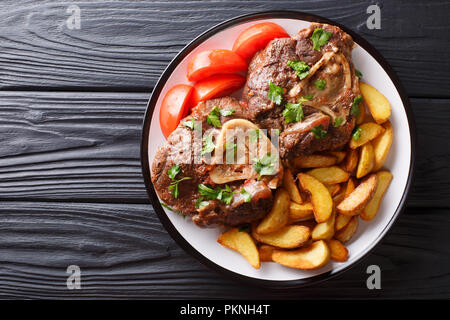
(211, 62)
(256, 37)
(216, 86)
(174, 107)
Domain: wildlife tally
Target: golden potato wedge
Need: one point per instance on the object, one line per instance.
(278, 215)
(265, 253)
(348, 231)
(324, 230)
(341, 221)
(371, 209)
(339, 251)
(287, 237)
(379, 106)
(241, 242)
(312, 257)
(350, 186)
(311, 224)
(333, 188)
(329, 175)
(369, 131)
(320, 197)
(339, 197)
(351, 161)
(366, 160)
(357, 200)
(300, 211)
(291, 187)
(340, 155)
(314, 161)
(382, 144)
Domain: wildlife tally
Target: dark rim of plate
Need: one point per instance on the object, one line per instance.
(276, 284)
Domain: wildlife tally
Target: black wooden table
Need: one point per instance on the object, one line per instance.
(71, 191)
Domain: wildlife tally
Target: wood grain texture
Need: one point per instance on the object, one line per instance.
(70, 146)
(126, 45)
(123, 252)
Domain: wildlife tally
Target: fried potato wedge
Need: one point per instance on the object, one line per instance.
(351, 161)
(341, 221)
(241, 242)
(339, 251)
(348, 231)
(329, 175)
(291, 187)
(357, 200)
(320, 197)
(314, 161)
(278, 215)
(371, 209)
(366, 160)
(339, 197)
(265, 253)
(312, 257)
(300, 211)
(324, 230)
(333, 188)
(287, 237)
(340, 155)
(379, 106)
(382, 144)
(369, 131)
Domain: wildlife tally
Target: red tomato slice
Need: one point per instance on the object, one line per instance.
(174, 107)
(211, 62)
(216, 86)
(257, 37)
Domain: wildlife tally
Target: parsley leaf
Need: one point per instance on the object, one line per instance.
(309, 97)
(208, 145)
(320, 38)
(338, 122)
(358, 74)
(173, 171)
(265, 165)
(319, 132)
(191, 124)
(200, 203)
(227, 113)
(214, 117)
(293, 112)
(320, 84)
(356, 133)
(174, 186)
(230, 145)
(301, 68)
(246, 195)
(224, 195)
(173, 210)
(275, 93)
(355, 106)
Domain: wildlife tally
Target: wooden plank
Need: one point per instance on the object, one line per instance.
(123, 252)
(69, 146)
(126, 45)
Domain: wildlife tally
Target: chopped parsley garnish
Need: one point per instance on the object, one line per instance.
(191, 124)
(244, 228)
(320, 38)
(293, 112)
(338, 122)
(255, 135)
(320, 84)
(208, 144)
(200, 203)
(358, 74)
(265, 165)
(227, 113)
(230, 145)
(173, 210)
(214, 117)
(246, 195)
(223, 194)
(356, 133)
(355, 106)
(319, 132)
(309, 97)
(172, 173)
(275, 93)
(301, 68)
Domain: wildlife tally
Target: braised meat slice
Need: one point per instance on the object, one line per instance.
(241, 201)
(325, 87)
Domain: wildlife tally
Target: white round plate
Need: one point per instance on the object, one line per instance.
(202, 243)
